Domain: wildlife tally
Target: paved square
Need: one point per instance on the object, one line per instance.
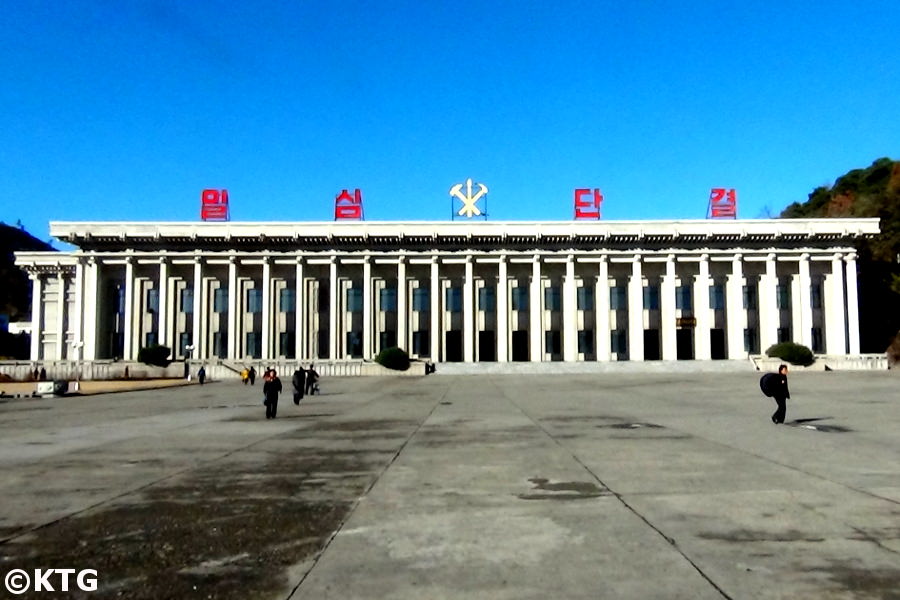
(495, 486)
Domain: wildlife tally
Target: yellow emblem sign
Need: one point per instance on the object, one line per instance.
(469, 199)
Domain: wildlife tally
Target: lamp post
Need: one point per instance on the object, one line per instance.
(76, 347)
(189, 350)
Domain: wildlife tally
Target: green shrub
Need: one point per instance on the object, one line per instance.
(393, 358)
(796, 354)
(155, 355)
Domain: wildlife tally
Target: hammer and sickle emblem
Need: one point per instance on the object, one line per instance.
(468, 208)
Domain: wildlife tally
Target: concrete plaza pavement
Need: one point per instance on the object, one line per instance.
(628, 485)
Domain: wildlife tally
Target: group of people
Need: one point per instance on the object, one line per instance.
(303, 381)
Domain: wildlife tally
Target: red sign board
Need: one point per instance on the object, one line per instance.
(347, 206)
(722, 203)
(587, 203)
(214, 205)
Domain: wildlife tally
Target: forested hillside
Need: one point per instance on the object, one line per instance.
(869, 192)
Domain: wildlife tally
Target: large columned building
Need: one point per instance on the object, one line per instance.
(448, 291)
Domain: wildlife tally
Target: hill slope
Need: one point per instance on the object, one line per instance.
(870, 192)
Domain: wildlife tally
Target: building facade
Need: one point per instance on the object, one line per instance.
(448, 291)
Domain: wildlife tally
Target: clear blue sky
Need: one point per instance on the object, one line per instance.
(126, 110)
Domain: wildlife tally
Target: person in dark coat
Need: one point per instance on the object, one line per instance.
(311, 379)
(201, 375)
(271, 389)
(299, 383)
(251, 374)
(775, 385)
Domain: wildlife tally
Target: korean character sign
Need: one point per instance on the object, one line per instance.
(347, 207)
(214, 205)
(722, 203)
(587, 204)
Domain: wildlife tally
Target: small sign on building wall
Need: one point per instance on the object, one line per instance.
(214, 205)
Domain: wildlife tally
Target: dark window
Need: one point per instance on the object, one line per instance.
(751, 341)
(617, 298)
(551, 298)
(420, 343)
(354, 300)
(454, 299)
(151, 339)
(354, 343)
(815, 296)
(749, 297)
(286, 345)
(784, 334)
(220, 300)
(783, 296)
(717, 297)
(651, 297)
(421, 300)
(254, 301)
(487, 299)
(520, 298)
(586, 341)
(187, 300)
(817, 345)
(683, 298)
(388, 299)
(254, 344)
(184, 340)
(287, 300)
(618, 341)
(585, 298)
(552, 342)
(153, 300)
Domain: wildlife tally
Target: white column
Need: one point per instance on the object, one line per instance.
(570, 312)
(667, 311)
(232, 308)
(469, 313)
(402, 307)
(199, 314)
(333, 307)
(835, 342)
(502, 311)
(367, 310)
(601, 306)
(60, 316)
(163, 314)
(636, 312)
(535, 322)
(78, 317)
(702, 349)
(852, 305)
(768, 308)
(300, 333)
(734, 309)
(801, 305)
(128, 345)
(91, 306)
(434, 294)
(37, 309)
(266, 309)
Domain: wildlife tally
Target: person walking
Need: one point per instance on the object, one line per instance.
(271, 389)
(299, 383)
(201, 374)
(775, 385)
(245, 375)
(312, 378)
(251, 374)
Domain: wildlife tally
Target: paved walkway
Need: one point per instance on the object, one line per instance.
(589, 486)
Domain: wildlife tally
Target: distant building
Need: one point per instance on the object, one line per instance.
(448, 291)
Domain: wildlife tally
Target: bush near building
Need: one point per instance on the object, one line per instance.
(796, 354)
(155, 355)
(393, 358)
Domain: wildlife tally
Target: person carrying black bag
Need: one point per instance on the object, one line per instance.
(775, 386)
(299, 382)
